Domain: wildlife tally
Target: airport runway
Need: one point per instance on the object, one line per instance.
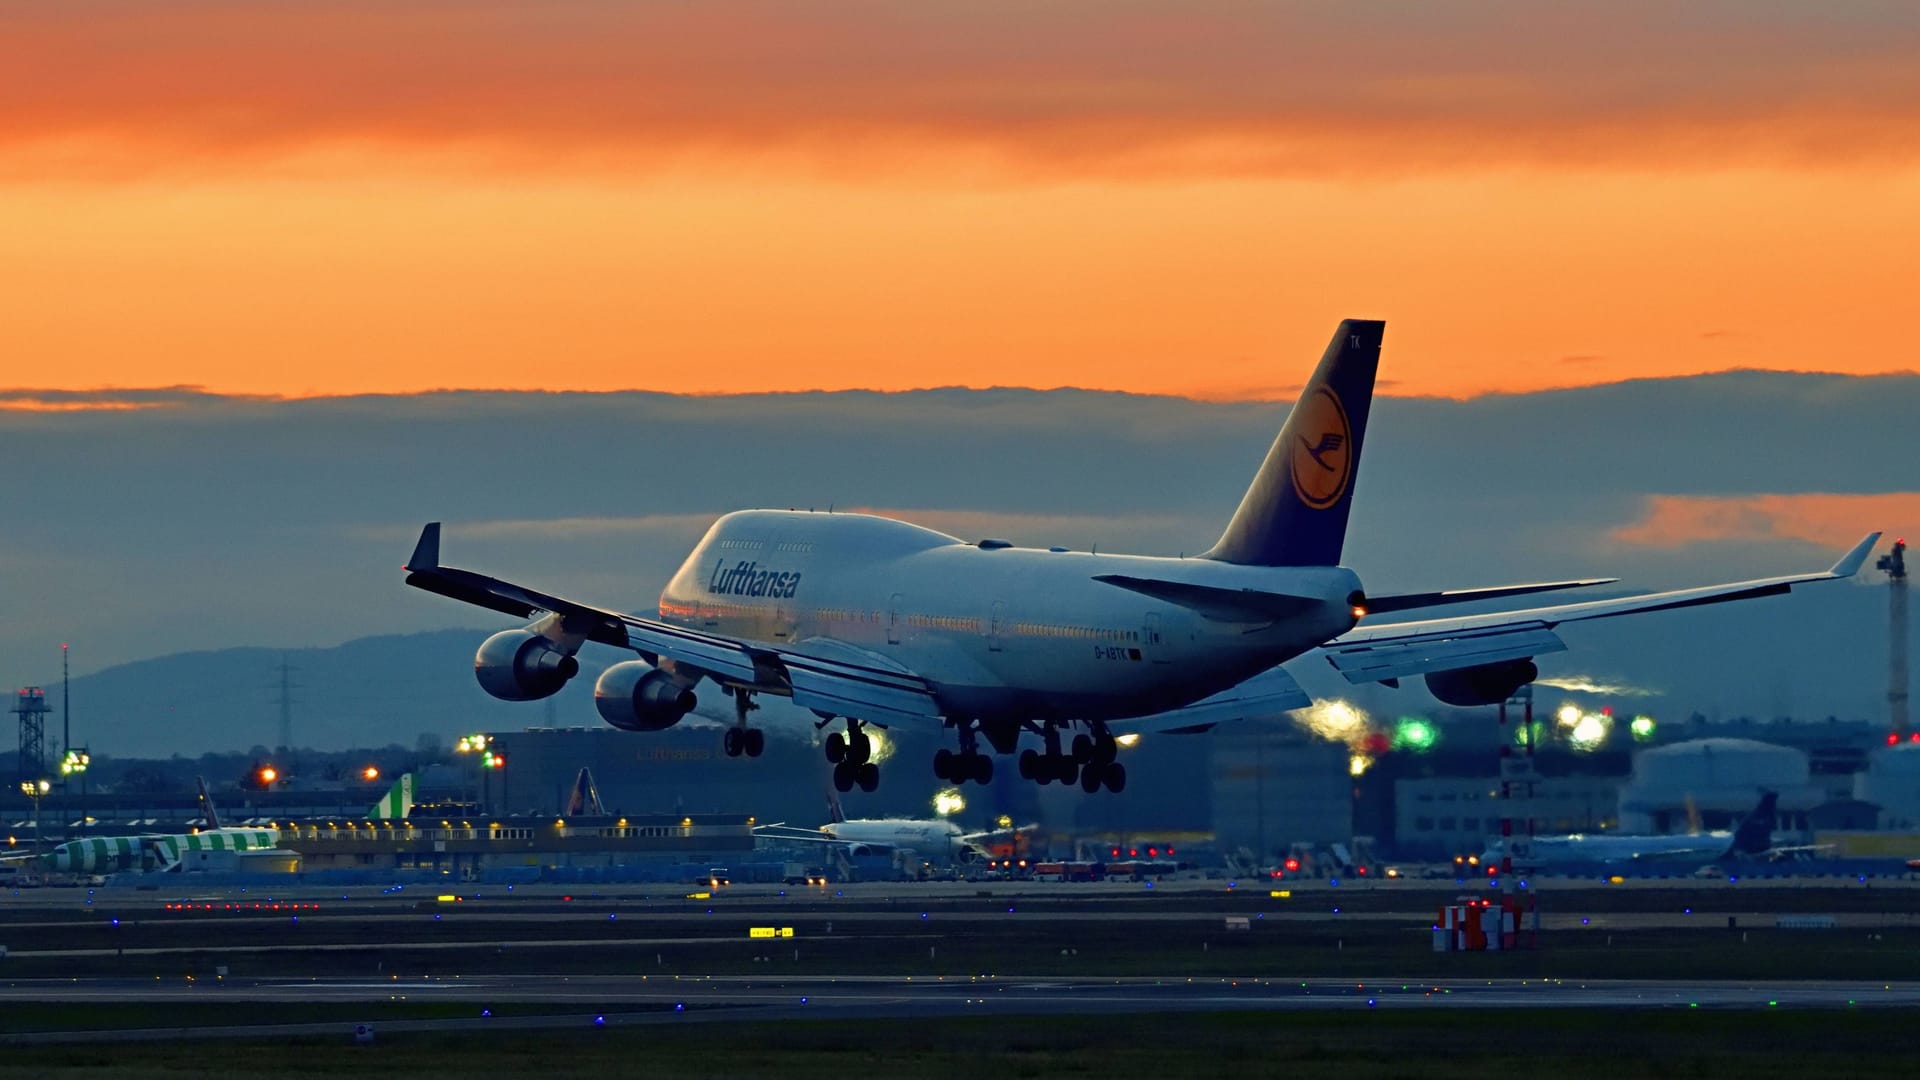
(629, 1000)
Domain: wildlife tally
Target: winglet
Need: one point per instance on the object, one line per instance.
(1850, 563)
(426, 553)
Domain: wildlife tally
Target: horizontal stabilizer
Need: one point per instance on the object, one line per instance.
(1381, 605)
(1213, 602)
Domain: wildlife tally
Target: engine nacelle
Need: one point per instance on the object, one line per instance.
(1488, 684)
(636, 696)
(519, 665)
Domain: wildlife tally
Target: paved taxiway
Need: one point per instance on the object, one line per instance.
(627, 1000)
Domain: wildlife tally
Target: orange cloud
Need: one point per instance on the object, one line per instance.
(1081, 87)
(1829, 520)
(750, 195)
(710, 285)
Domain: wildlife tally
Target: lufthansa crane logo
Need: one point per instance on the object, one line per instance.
(1322, 452)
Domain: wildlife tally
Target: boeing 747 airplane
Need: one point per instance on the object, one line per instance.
(868, 620)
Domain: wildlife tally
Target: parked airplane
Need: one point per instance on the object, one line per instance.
(1751, 839)
(157, 852)
(935, 839)
(870, 620)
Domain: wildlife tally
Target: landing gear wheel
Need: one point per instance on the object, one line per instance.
(1090, 776)
(731, 742)
(753, 741)
(837, 750)
(867, 776)
(1029, 765)
(859, 748)
(1083, 748)
(843, 777)
(982, 769)
(943, 764)
(1065, 770)
(1115, 777)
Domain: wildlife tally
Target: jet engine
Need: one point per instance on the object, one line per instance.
(1488, 684)
(519, 665)
(636, 696)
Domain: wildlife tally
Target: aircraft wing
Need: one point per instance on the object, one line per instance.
(788, 834)
(1393, 650)
(828, 676)
(1272, 691)
(1008, 833)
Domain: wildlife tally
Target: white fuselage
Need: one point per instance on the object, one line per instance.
(937, 840)
(1585, 848)
(111, 854)
(998, 632)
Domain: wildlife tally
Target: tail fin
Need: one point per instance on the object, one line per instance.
(585, 800)
(1295, 512)
(834, 813)
(397, 803)
(1754, 836)
(206, 801)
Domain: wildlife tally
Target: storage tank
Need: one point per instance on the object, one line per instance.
(1892, 781)
(1716, 780)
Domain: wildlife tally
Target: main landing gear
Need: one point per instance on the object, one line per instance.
(851, 754)
(1090, 762)
(968, 764)
(741, 739)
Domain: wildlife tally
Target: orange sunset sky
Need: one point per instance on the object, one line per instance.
(715, 197)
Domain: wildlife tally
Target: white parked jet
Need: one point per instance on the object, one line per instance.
(935, 839)
(873, 620)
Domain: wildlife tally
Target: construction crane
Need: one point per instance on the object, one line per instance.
(1894, 564)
